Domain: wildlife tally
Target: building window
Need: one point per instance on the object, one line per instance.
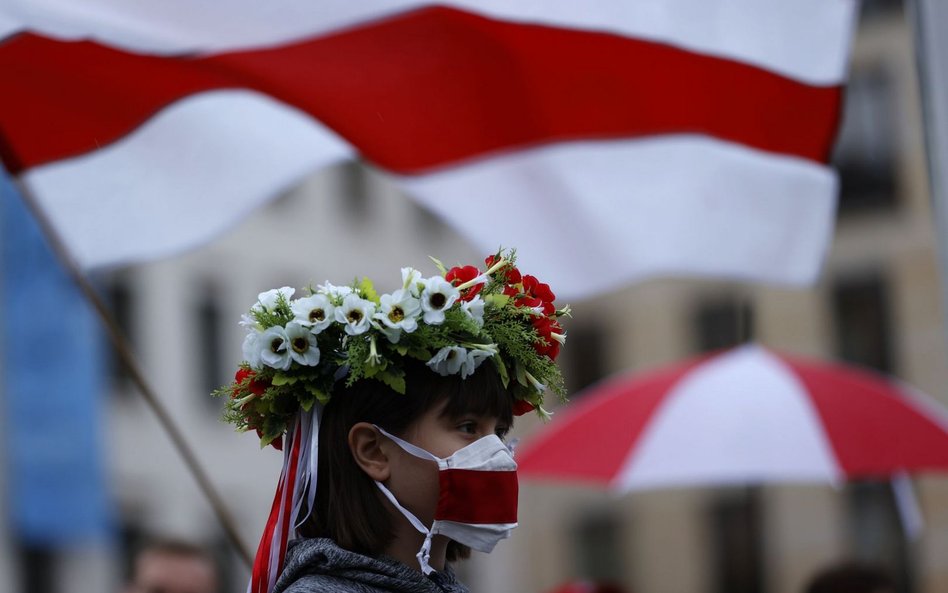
(120, 298)
(875, 531)
(881, 9)
(865, 153)
(722, 323)
(586, 362)
(598, 548)
(863, 336)
(737, 544)
(863, 329)
(210, 358)
(353, 187)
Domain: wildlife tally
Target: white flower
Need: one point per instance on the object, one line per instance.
(475, 310)
(437, 297)
(267, 301)
(248, 322)
(334, 292)
(411, 278)
(314, 312)
(356, 314)
(251, 349)
(448, 360)
(451, 360)
(474, 360)
(399, 312)
(303, 348)
(540, 387)
(273, 346)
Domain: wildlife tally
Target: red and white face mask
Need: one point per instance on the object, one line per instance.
(477, 496)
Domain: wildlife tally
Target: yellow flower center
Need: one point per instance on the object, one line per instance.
(354, 316)
(396, 314)
(317, 315)
(275, 345)
(300, 344)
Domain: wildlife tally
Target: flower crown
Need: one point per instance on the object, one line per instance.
(296, 350)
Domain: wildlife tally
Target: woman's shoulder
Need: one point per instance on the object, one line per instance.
(321, 566)
(321, 583)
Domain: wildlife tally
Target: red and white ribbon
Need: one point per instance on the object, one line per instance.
(288, 511)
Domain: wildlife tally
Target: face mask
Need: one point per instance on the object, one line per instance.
(477, 496)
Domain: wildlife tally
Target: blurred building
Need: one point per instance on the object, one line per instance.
(877, 304)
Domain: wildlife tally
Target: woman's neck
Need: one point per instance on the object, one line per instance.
(408, 541)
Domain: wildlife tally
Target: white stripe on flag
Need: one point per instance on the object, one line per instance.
(169, 189)
(740, 418)
(633, 209)
(803, 39)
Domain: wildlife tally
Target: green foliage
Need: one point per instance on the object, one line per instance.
(506, 330)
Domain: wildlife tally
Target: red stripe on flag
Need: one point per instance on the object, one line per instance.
(478, 497)
(419, 91)
(881, 435)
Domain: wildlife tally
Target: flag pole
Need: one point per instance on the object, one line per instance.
(931, 55)
(123, 350)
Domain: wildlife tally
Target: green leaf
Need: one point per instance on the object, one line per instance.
(521, 375)
(394, 379)
(281, 379)
(368, 289)
(501, 369)
(497, 300)
(320, 395)
(439, 265)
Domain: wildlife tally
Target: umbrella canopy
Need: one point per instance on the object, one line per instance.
(742, 416)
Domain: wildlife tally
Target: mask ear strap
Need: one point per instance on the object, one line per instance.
(424, 554)
(408, 447)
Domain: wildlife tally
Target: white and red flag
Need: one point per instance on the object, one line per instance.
(618, 140)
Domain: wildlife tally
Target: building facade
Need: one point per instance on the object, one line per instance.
(877, 304)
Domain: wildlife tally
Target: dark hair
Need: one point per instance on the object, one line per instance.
(851, 577)
(349, 508)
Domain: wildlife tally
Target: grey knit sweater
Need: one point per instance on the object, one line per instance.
(320, 566)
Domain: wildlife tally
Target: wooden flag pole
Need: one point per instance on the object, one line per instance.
(124, 351)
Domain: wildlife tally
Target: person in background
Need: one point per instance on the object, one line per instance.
(173, 566)
(588, 587)
(851, 577)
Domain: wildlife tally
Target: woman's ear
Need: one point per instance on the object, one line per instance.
(365, 442)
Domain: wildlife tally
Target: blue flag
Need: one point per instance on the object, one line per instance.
(52, 388)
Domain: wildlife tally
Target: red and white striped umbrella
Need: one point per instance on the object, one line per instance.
(743, 416)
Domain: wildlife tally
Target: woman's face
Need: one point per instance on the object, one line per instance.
(414, 481)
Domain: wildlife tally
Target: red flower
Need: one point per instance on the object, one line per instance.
(521, 407)
(540, 290)
(459, 275)
(547, 344)
(256, 387)
(535, 303)
(276, 443)
(513, 274)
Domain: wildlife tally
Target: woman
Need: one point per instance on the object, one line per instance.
(408, 415)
